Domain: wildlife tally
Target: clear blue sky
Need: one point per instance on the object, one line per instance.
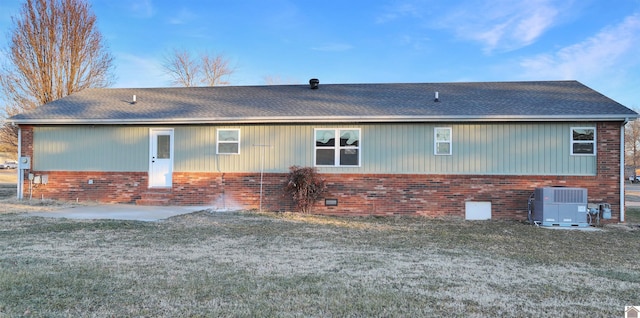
(343, 41)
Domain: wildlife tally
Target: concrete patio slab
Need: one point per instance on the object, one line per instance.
(119, 212)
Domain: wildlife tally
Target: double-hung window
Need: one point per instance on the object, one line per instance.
(228, 142)
(442, 141)
(583, 140)
(337, 147)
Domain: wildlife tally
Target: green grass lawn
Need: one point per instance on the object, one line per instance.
(248, 265)
(632, 214)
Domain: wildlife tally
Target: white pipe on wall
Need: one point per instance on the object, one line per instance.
(622, 171)
(20, 171)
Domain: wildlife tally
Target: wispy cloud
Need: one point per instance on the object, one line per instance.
(501, 25)
(142, 8)
(597, 55)
(139, 71)
(497, 25)
(184, 16)
(400, 10)
(333, 47)
(416, 42)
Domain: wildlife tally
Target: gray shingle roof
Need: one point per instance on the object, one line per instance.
(484, 101)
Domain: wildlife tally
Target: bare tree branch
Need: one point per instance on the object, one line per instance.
(209, 70)
(182, 68)
(55, 49)
(632, 144)
(214, 69)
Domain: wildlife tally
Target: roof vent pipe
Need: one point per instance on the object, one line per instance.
(437, 99)
(313, 83)
(134, 99)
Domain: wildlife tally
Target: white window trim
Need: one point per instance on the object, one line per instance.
(572, 142)
(218, 141)
(436, 142)
(337, 148)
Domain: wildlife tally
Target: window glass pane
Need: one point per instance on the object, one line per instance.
(443, 135)
(228, 141)
(583, 148)
(325, 138)
(228, 147)
(337, 147)
(442, 141)
(325, 157)
(348, 157)
(583, 134)
(164, 147)
(228, 135)
(443, 148)
(349, 138)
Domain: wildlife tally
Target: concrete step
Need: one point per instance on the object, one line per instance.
(154, 202)
(155, 197)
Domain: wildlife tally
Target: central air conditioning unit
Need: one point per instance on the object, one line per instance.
(558, 206)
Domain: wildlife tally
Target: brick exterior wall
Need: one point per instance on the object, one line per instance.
(108, 187)
(26, 135)
(357, 194)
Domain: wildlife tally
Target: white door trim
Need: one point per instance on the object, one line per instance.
(160, 169)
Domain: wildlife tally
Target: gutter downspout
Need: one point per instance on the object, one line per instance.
(20, 170)
(622, 169)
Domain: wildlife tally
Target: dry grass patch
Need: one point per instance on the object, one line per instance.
(13, 205)
(351, 223)
(250, 264)
(8, 177)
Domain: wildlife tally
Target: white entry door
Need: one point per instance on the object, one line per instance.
(161, 157)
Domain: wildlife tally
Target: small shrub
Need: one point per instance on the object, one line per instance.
(305, 187)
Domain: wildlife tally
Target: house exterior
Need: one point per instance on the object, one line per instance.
(384, 149)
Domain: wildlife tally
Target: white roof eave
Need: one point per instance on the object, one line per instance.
(320, 119)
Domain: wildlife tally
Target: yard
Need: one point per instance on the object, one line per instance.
(7, 176)
(251, 264)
